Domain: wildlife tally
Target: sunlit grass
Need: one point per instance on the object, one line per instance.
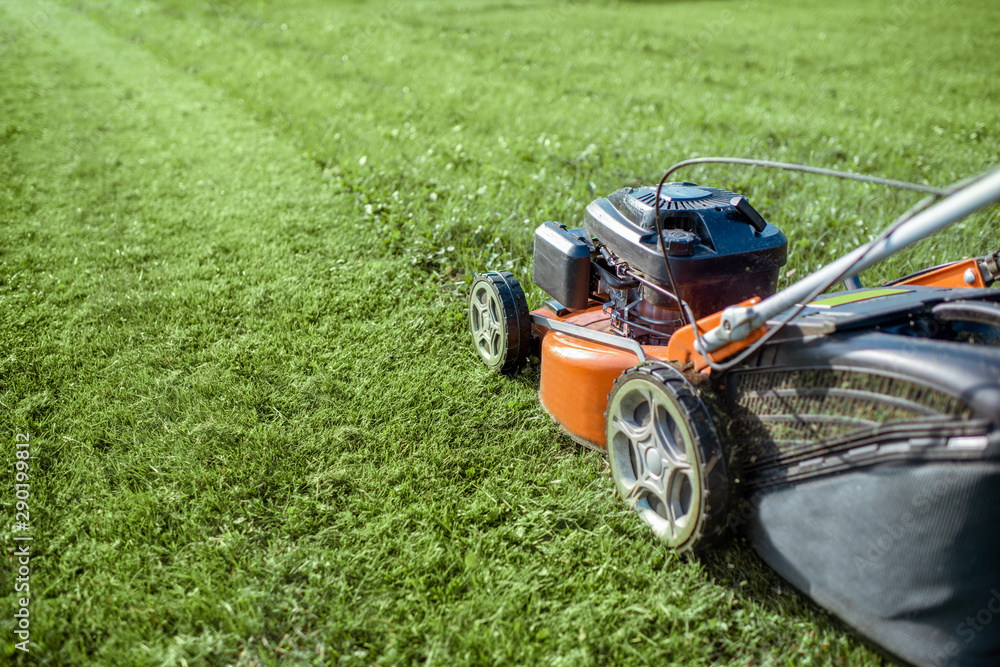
(235, 241)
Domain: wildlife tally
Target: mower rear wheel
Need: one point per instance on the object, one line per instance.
(666, 457)
(498, 321)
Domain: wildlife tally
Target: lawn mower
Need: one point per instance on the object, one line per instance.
(852, 436)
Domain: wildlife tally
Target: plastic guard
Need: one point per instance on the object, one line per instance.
(950, 275)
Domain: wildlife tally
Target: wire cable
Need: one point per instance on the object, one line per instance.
(820, 171)
(934, 192)
(797, 310)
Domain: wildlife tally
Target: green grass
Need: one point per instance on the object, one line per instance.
(234, 244)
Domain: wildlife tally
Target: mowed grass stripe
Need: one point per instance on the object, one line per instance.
(259, 436)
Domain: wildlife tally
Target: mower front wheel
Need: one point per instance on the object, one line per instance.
(498, 321)
(666, 457)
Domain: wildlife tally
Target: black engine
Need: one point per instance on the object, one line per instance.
(721, 252)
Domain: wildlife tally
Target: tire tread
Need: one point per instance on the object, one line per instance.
(716, 487)
(516, 319)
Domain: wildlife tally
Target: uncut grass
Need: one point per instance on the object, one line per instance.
(241, 352)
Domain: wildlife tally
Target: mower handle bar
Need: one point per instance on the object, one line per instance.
(738, 322)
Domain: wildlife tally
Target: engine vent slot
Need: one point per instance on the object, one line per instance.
(668, 204)
(683, 197)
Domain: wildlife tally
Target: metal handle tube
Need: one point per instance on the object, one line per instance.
(737, 323)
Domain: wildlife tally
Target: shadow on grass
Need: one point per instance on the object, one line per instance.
(735, 565)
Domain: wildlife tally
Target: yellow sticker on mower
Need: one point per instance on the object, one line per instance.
(854, 297)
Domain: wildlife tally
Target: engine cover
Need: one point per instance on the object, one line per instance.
(722, 251)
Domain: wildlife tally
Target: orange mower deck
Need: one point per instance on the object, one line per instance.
(578, 374)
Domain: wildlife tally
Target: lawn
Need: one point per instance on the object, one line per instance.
(235, 243)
